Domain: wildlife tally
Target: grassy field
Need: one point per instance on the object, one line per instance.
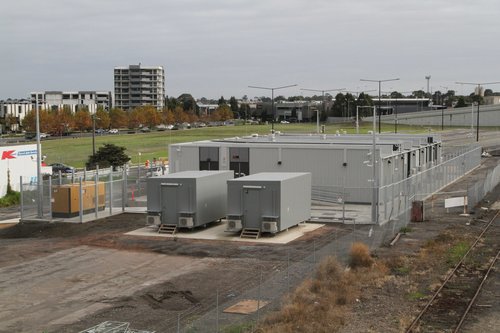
(74, 151)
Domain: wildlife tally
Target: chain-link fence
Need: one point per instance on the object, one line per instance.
(85, 195)
(266, 289)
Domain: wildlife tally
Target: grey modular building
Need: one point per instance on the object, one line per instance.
(187, 199)
(339, 164)
(268, 202)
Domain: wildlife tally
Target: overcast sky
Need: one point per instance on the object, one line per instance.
(211, 48)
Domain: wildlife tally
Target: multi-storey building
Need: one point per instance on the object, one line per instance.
(138, 85)
(12, 112)
(75, 100)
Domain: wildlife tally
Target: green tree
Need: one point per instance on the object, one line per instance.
(234, 104)
(172, 103)
(108, 155)
(461, 102)
(221, 101)
(188, 103)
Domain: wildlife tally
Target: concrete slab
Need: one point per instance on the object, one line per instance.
(216, 232)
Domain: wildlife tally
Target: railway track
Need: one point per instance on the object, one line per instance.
(448, 308)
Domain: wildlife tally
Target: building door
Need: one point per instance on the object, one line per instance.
(209, 158)
(239, 161)
(251, 207)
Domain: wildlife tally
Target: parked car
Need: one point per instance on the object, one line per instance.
(285, 122)
(154, 171)
(113, 131)
(44, 135)
(145, 130)
(56, 167)
(100, 131)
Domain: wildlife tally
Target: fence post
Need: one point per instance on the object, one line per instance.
(217, 312)
(21, 199)
(80, 201)
(288, 271)
(96, 191)
(50, 198)
(111, 191)
(124, 186)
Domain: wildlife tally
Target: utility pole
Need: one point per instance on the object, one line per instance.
(272, 99)
(478, 84)
(38, 161)
(324, 103)
(379, 86)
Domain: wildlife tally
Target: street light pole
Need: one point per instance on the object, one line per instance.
(38, 161)
(379, 86)
(324, 103)
(272, 98)
(478, 84)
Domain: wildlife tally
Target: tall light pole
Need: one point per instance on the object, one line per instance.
(324, 103)
(38, 161)
(272, 98)
(478, 84)
(428, 78)
(379, 86)
(93, 133)
(442, 110)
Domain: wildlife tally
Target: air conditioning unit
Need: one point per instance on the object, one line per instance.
(186, 222)
(234, 225)
(269, 227)
(153, 220)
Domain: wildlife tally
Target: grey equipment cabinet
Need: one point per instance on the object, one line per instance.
(187, 199)
(268, 202)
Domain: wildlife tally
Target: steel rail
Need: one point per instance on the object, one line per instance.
(449, 276)
(473, 300)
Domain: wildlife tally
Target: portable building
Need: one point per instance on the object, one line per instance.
(187, 199)
(269, 201)
(340, 164)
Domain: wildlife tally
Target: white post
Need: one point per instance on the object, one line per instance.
(38, 162)
(374, 180)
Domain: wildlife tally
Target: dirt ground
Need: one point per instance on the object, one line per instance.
(63, 277)
(67, 277)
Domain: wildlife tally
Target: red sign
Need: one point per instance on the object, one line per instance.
(8, 154)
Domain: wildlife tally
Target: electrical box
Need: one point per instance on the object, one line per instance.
(268, 201)
(188, 199)
(66, 198)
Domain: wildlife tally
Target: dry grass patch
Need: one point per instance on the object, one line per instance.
(322, 303)
(360, 256)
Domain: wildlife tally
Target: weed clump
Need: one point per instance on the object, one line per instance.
(360, 256)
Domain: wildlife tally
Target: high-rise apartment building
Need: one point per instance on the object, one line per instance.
(138, 85)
